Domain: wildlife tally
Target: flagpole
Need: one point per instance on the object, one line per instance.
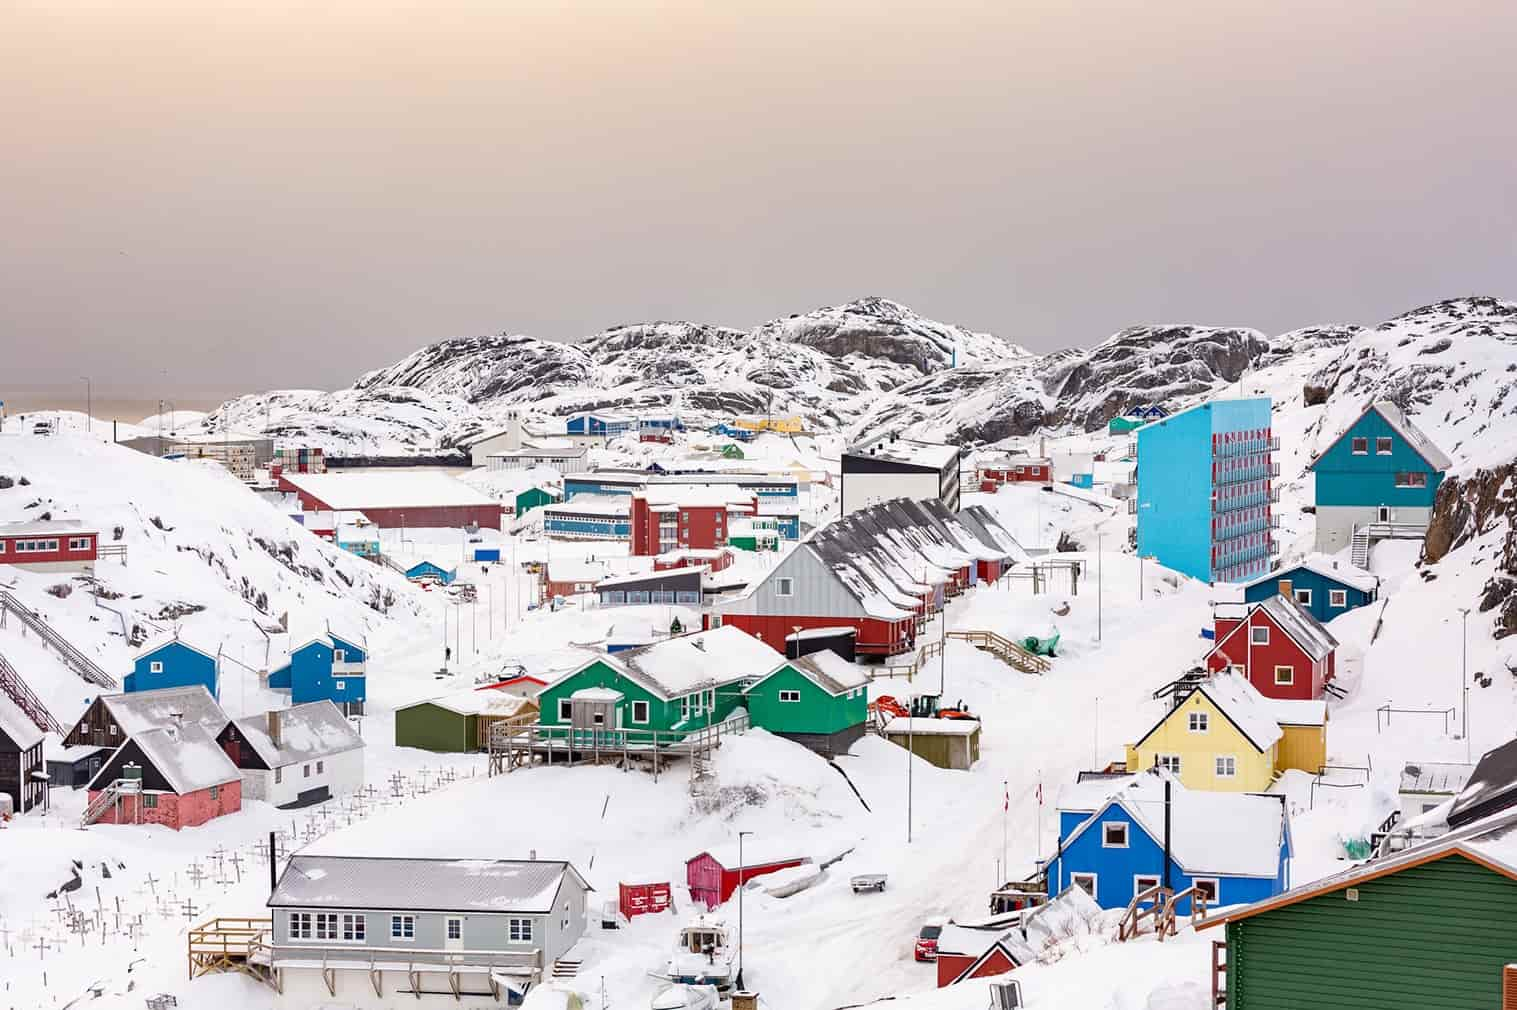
(1005, 811)
(1039, 817)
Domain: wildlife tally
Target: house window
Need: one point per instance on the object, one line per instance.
(79, 544)
(790, 696)
(215, 792)
(1227, 766)
(340, 685)
(1304, 597)
(339, 656)
(784, 587)
(1337, 597)
(278, 775)
(565, 710)
(1085, 882)
(1144, 882)
(112, 728)
(326, 925)
(150, 801)
(321, 766)
(1361, 446)
(1198, 722)
(1169, 762)
(155, 666)
(354, 927)
(519, 930)
(1114, 835)
(455, 929)
(1285, 675)
(402, 927)
(1259, 636)
(640, 711)
(300, 925)
(1382, 447)
(1207, 887)
(1413, 479)
(307, 770)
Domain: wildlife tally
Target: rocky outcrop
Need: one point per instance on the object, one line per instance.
(1469, 508)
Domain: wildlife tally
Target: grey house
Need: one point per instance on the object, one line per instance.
(476, 930)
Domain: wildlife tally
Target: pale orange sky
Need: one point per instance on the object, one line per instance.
(279, 194)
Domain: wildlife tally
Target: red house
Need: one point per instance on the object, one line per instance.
(1284, 651)
(51, 545)
(668, 518)
(176, 776)
(716, 560)
(714, 876)
(991, 475)
(394, 500)
(965, 952)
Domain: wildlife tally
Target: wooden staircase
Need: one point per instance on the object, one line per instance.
(17, 691)
(1162, 908)
(1009, 652)
(109, 797)
(564, 968)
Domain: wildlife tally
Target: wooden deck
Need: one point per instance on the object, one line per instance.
(521, 746)
(229, 944)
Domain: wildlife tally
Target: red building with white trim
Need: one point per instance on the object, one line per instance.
(1284, 651)
(50, 545)
(397, 499)
(665, 519)
(992, 474)
(714, 876)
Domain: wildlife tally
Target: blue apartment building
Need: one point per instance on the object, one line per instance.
(1205, 487)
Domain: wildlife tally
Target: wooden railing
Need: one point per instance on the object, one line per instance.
(26, 700)
(72, 657)
(1004, 649)
(226, 944)
(1166, 922)
(1219, 973)
(1131, 923)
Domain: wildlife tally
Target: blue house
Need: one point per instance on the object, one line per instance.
(1205, 481)
(1234, 846)
(427, 571)
(328, 667)
(602, 425)
(1380, 470)
(172, 663)
(1324, 586)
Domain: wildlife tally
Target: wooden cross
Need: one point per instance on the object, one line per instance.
(196, 874)
(152, 883)
(236, 862)
(41, 947)
(189, 909)
(396, 787)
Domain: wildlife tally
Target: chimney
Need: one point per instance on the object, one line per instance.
(532, 855)
(274, 726)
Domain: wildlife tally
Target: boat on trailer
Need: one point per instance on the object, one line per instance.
(704, 955)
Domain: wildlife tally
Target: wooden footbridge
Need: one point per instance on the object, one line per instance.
(1006, 650)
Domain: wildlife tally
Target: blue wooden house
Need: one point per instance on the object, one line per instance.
(172, 662)
(328, 667)
(429, 571)
(1380, 471)
(1324, 586)
(1236, 847)
(592, 425)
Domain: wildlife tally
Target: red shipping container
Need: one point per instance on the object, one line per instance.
(644, 899)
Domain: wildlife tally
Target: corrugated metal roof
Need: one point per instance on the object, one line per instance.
(440, 885)
(1301, 626)
(145, 710)
(1435, 777)
(311, 730)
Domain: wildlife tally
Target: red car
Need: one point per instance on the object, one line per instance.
(926, 948)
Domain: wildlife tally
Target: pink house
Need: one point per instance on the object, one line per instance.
(176, 776)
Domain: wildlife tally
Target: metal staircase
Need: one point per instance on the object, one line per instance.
(17, 691)
(110, 798)
(1360, 554)
(72, 657)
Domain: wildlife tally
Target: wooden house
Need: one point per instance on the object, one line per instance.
(175, 775)
(535, 497)
(296, 756)
(112, 718)
(1226, 735)
(947, 743)
(49, 545)
(23, 772)
(431, 571)
(819, 701)
(173, 662)
(714, 875)
(671, 687)
(421, 931)
(571, 576)
(1323, 586)
(1433, 926)
(327, 667)
(459, 723)
(968, 952)
(1233, 847)
(1284, 651)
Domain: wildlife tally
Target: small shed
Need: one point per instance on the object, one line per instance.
(535, 497)
(947, 743)
(714, 875)
(72, 767)
(459, 723)
(172, 662)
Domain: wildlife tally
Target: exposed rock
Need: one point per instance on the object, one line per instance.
(1313, 396)
(1469, 507)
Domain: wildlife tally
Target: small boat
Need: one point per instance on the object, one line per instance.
(703, 955)
(686, 997)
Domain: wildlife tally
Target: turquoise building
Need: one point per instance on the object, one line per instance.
(1381, 471)
(432, 572)
(1205, 481)
(172, 663)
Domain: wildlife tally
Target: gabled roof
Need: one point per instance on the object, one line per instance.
(1008, 946)
(1494, 778)
(1402, 425)
(15, 724)
(442, 885)
(1287, 615)
(1329, 568)
(826, 669)
(311, 730)
(685, 664)
(163, 641)
(188, 757)
(477, 702)
(145, 710)
(1240, 703)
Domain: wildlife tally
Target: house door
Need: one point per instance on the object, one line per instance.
(1383, 514)
(453, 933)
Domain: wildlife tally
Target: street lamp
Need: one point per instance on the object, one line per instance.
(1464, 674)
(741, 865)
(1098, 587)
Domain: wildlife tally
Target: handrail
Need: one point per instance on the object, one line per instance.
(72, 657)
(26, 700)
(1132, 917)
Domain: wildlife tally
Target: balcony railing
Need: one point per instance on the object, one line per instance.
(1221, 506)
(1257, 445)
(348, 669)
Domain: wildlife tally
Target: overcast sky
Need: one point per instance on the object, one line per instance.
(289, 194)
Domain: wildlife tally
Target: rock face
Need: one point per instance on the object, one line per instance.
(1468, 508)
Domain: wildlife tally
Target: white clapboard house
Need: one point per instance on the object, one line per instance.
(296, 756)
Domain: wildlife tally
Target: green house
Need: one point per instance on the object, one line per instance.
(1432, 926)
(534, 497)
(459, 723)
(820, 701)
(669, 688)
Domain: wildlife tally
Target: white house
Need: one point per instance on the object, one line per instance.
(296, 756)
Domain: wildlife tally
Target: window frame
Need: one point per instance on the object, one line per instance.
(1107, 843)
(1384, 445)
(300, 926)
(1198, 722)
(1093, 878)
(1137, 883)
(400, 922)
(1169, 762)
(646, 710)
(1337, 598)
(1218, 766)
(1290, 679)
(565, 710)
(784, 587)
(155, 666)
(355, 927)
(789, 696)
(1302, 596)
(1215, 883)
(1359, 445)
(1411, 479)
(328, 926)
(1254, 634)
(519, 930)
(447, 928)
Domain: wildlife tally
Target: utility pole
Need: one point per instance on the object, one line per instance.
(741, 865)
(1098, 586)
(1464, 672)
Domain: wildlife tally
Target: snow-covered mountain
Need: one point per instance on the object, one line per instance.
(874, 363)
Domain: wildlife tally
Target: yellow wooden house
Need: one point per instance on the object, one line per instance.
(792, 425)
(1226, 736)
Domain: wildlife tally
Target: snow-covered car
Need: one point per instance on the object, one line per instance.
(865, 882)
(926, 947)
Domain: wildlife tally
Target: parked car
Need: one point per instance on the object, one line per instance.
(926, 948)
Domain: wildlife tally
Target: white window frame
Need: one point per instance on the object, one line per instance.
(1138, 880)
(565, 710)
(789, 696)
(1388, 442)
(328, 926)
(447, 928)
(155, 666)
(1290, 675)
(643, 707)
(1303, 596)
(300, 926)
(1107, 843)
(278, 776)
(1198, 722)
(355, 927)
(1254, 633)
(1094, 879)
(403, 928)
(1337, 597)
(1353, 446)
(1169, 762)
(339, 655)
(1216, 889)
(784, 586)
(1225, 766)
(77, 544)
(519, 930)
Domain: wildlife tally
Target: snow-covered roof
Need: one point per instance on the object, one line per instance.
(388, 490)
(1237, 834)
(1494, 777)
(604, 694)
(40, 527)
(805, 633)
(187, 756)
(480, 702)
(1297, 712)
(1328, 567)
(1443, 777)
(575, 570)
(1241, 703)
(442, 885)
(826, 669)
(311, 730)
(690, 663)
(592, 504)
(686, 573)
(152, 645)
(144, 710)
(905, 450)
(1288, 615)
(15, 724)
(1090, 795)
(551, 452)
(1402, 425)
(901, 726)
(673, 496)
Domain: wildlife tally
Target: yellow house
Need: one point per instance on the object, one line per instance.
(1226, 736)
(792, 425)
